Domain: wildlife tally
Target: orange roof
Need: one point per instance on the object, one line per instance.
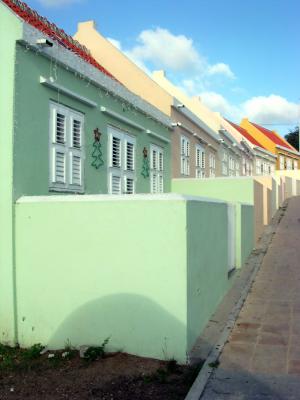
(32, 18)
(274, 137)
(246, 134)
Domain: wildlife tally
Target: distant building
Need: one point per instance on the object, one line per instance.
(287, 156)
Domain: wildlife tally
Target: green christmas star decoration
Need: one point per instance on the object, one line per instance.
(146, 168)
(97, 152)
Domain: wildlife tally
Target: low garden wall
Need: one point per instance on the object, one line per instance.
(146, 271)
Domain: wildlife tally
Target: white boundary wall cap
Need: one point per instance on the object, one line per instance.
(120, 198)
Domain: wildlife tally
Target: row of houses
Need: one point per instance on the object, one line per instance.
(144, 266)
(96, 123)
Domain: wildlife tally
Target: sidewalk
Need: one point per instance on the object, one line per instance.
(262, 358)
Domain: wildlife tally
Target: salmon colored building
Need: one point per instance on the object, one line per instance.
(287, 156)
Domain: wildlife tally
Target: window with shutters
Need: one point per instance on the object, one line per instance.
(237, 168)
(231, 166)
(66, 149)
(212, 165)
(121, 175)
(281, 162)
(295, 164)
(258, 170)
(225, 163)
(185, 156)
(200, 162)
(156, 169)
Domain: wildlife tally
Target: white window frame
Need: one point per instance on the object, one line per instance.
(212, 165)
(66, 148)
(281, 162)
(231, 166)
(295, 164)
(224, 163)
(258, 166)
(237, 168)
(200, 162)
(184, 156)
(122, 173)
(156, 169)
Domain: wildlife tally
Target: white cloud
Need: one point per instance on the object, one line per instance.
(167, 51)
(175, 53)
(58, 3)
(115, 42)
(216, 102)
(271, 109)
(220, 69)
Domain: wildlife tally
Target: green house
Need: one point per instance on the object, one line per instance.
(71, 126)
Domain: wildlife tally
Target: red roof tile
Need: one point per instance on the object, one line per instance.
(32, 18)
(246, 134)
(274, 137)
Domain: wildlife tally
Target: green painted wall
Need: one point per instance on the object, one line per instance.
(152, 287)
(207, 265)
(247, 231)
(10, 31)
(32, 130)
(103, 268)
(227, 189)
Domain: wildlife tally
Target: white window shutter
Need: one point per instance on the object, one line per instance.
(116, 152)
(76, 132)
(129, 155)
(76, 170)
(59, 175)
(66, 150)
(115, 184)
(129, 185)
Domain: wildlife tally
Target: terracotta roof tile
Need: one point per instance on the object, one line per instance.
(246, 134)
(32, 18)
(274, 137)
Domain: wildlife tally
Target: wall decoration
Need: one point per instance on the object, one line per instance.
(146, 166)
(97, 152)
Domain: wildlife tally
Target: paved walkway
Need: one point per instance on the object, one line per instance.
(262, 358)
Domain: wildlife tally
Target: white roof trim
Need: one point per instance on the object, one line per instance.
(53, 85)
(288, 150)
(73, 62)
(108, 198)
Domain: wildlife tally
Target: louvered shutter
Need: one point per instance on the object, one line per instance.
(116, 152)
(76, 170)
(59, 174)
(122, 162)
(129, 151)
(156, 167)
(66, 152)
(76, 133)
(115, 184)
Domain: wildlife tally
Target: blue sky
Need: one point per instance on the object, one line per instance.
(241, 58)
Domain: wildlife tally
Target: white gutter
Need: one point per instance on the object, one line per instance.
(288, 150)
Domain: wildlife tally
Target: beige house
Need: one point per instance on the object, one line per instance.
(198, 147)
(230, 152)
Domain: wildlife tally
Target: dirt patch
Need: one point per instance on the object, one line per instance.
(115, 376)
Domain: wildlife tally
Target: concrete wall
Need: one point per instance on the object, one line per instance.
(10, 31)
(207, 273)
(152, 287)
(249, 190)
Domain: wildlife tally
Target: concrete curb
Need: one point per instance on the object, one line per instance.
(255, 259)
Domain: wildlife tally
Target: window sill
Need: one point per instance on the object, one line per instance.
(65, 190)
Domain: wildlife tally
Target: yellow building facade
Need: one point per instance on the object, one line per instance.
(287, 156)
